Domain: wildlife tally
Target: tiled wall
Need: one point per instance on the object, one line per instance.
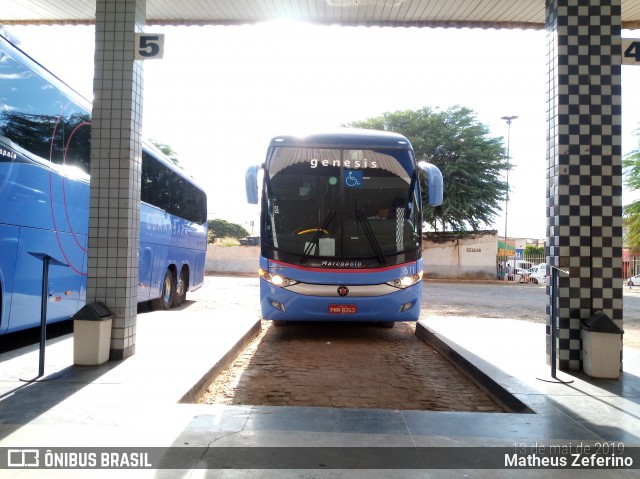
(116, 151)
(584, 175)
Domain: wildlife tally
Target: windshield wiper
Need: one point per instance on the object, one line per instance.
(371, 236)
(331, 214)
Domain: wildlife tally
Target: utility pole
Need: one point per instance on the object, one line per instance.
(508, 119)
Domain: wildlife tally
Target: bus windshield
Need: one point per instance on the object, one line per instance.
(325, 206)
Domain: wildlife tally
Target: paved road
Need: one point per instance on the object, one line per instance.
(499, 300)
(482, 299)
(452, 298)
(632, 306)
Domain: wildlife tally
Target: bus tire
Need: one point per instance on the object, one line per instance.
(387, 324)
(181, 288)
(167, 294)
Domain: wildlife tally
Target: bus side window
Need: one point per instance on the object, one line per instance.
(75, 129)
(30, 111)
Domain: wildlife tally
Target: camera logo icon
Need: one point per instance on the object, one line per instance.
(23, 458)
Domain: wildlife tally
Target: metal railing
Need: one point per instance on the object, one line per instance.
(631, 266)
(519, 268)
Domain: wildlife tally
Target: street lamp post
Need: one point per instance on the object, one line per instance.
(508, 119)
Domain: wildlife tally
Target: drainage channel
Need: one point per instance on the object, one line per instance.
(348, 365)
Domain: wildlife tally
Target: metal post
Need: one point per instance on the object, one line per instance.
(46, 262)
(553, 324)
(554, 277)
(43, 312)
(509, 119)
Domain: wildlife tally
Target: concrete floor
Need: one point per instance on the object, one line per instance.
(136, 403)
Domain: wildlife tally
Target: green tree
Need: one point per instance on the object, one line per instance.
(631, 212)
(167, 150)
(531, 251)
(225, 229)
(471, 162)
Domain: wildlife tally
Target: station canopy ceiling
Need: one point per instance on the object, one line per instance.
(426, 13)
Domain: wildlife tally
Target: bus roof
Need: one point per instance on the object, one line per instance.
(344, 137)
(24, 58)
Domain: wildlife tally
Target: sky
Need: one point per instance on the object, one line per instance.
(221, 93)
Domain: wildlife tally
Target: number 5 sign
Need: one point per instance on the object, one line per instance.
(631, 51)
(149, 46)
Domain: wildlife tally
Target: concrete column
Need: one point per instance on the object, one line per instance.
(584, 174)
(116, 151)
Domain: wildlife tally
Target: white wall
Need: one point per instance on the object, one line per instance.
(472, 256)
(232, 259)
(452, 257)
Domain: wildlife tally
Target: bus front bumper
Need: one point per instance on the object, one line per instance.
(281, 304)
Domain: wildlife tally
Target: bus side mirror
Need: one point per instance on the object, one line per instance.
(436, 185)
(251, 184)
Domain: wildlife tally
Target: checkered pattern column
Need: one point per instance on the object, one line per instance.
(114, 213)
(584, 174)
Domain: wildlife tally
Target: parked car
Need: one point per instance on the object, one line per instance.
(250, 241)
(633, 280)
(540, 274)
(521, 264)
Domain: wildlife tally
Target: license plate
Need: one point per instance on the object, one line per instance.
(342, 308)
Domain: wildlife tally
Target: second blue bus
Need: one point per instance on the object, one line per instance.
(45, 143)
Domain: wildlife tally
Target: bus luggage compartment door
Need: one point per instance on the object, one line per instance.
(66, 286)
(9, 248)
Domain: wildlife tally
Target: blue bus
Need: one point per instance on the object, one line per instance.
(341, 227)
(45, 143)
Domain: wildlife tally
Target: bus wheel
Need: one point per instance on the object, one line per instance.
(387, 324)
(181, 288)
(168, 292)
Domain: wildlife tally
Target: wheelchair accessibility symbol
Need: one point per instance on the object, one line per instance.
(353, 178)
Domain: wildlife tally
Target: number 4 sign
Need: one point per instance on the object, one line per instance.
(631, 51)
(149, 46)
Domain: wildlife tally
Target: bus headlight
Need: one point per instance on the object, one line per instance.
(406, 281)
(276, 279)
